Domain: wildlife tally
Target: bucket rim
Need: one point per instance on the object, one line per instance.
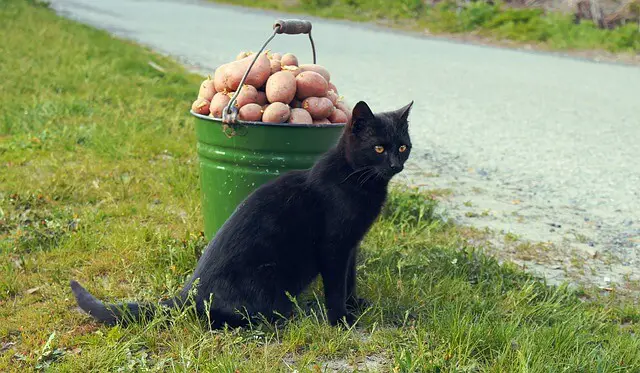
(263, 124)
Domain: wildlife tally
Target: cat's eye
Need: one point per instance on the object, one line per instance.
(379, 149)
(403, 148)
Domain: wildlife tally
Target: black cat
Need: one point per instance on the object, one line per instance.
(289, 230)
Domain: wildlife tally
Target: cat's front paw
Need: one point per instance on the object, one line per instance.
(346, 321)
(357, 304)
(341, 318)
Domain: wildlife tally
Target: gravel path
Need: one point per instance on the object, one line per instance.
(540, 146)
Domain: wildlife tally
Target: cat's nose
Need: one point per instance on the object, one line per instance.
(395, 167)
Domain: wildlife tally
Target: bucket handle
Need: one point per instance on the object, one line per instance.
(281, 26)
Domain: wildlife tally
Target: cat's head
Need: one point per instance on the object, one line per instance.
(378, 141)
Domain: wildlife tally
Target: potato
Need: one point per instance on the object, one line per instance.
(300, 116)
(296, 103)
(248, 94)
(322, 121)
(207, 89)
(262, 98)
(295, 70)
(344, 108)
(219, 102)
(318, 107)
(234, 71)
(242, 55)
(317, 68)
(276, 56)
(276, 113)
(201, 106)
(275, 66)
(251, 112)
(289, 59)
(333, 96)
(281, 87)
(310, 84)
(338, 116)
(333, 87)
(218, 79)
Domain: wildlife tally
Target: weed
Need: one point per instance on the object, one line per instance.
(551, 29)
(106, 123)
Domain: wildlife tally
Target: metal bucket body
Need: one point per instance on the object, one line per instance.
(231, 168)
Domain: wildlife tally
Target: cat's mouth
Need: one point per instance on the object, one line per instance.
(388, 173)
(395, 168)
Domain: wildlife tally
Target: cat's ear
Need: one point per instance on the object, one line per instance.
(360, 115)
(404, 112)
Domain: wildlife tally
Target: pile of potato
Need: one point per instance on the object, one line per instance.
(277, 90)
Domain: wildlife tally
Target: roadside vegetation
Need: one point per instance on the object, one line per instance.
(532, 22)
(99, 182)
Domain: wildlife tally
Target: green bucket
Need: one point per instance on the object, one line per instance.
(231, 168)
(236, 157)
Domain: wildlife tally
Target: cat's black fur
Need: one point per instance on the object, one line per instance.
(289, 230)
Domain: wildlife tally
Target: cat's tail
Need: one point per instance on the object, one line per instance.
(112, 314)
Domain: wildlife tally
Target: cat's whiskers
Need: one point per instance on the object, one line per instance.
(355, 172)
(372, 173)
(364, 175)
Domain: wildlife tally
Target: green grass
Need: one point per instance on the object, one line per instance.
(550, 30)
(99, 182)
